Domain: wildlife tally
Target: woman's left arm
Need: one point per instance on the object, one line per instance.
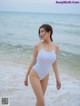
(55, 68)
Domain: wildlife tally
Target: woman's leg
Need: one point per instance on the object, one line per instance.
(44, 83)
(37, 88)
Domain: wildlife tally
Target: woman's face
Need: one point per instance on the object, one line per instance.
(42, 33)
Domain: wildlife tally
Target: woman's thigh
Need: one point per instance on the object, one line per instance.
(36, 85)
(44, 83)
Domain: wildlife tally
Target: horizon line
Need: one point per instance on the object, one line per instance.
(38, 12)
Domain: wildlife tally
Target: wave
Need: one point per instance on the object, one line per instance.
(16, 50)
(64, 24)
(21, 54)
(64, 47)
(14, 45)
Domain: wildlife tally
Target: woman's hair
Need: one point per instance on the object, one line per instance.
(47, 28)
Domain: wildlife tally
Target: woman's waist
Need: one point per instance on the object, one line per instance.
(41, 66)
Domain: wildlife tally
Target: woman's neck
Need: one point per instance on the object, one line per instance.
(47, 42)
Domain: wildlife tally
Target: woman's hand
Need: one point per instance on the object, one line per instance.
(26, 81)
(58, 84)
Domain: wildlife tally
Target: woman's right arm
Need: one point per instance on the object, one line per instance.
(35, 52)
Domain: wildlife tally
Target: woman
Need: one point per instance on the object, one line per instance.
(45, 54)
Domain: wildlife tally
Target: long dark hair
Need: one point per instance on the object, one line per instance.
(47, 28)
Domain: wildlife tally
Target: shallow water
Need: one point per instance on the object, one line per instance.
(12, 86)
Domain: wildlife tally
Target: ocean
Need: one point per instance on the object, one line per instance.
(18, 35)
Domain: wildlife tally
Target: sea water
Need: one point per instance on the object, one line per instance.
(18, 35)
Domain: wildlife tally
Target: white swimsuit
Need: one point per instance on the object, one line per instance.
(44, 60)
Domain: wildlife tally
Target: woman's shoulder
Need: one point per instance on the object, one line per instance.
(56, 47)
(38, 44)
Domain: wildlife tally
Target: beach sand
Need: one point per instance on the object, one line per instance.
(12, 86)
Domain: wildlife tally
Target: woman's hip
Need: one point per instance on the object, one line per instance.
(33, 73)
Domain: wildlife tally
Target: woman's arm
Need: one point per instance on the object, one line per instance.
(33, 61)
(55, 68)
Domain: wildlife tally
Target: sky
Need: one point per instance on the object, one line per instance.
(42, 6)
